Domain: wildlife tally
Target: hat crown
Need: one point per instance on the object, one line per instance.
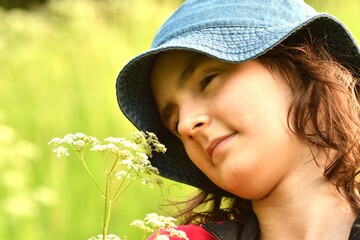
(200, 14)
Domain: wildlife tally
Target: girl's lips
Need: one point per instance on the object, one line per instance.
(217, 142)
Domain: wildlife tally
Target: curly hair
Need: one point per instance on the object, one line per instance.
(324, 112)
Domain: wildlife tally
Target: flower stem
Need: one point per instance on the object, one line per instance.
(120, 191)
(107, 209)
(81, 157)
(114, 165)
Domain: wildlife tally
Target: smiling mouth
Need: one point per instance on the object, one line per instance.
(217, 143)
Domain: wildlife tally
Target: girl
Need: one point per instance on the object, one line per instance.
(257, 104)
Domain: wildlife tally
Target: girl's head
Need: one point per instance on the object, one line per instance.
(299, 92)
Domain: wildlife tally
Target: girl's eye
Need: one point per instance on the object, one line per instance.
(174, 125)
(206, 81)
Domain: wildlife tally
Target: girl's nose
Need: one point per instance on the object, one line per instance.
(192, 123)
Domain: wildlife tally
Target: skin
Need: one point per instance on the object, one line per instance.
(232, 120)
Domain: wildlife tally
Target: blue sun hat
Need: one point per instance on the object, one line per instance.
(232, 31)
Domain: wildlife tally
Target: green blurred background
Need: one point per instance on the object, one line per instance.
(58, 64)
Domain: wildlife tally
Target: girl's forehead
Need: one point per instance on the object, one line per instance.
(184, 63)
(172, 63)
(177, 56)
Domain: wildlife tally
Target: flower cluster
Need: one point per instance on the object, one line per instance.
(129, 162)
(77, 142)
(153, 222)
(130, 157)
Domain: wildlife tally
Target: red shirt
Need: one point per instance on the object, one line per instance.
(193, 232)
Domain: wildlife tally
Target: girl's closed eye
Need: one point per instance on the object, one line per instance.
(206, 81)
(174, 124)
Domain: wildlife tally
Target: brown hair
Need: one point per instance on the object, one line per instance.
(324, 112)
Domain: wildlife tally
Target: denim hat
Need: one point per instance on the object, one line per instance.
(228, 30)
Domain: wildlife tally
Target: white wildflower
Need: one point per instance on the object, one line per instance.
(154, 142)
(68, 139)
(114, 140)
(80, 135)
(143, 158)
(177, 233)
(139, 137)
(160, 148)
(130, 145)
(151, 170)
(93, 140)
(105, 148)
(162, 237)
(127, 163)
(79, 144)
(160, 221)
(78, 141)
(138, 223)
(55, 141)
(166, 224)
(147, 182)
(61, 151)
(97, 148)
(122, 142)
(122, 174)
(141, 224)
(125, 154)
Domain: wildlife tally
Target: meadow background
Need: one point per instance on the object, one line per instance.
(58, 65)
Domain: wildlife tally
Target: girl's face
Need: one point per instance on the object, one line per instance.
(231, 118)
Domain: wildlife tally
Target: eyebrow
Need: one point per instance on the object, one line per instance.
(193, 63)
